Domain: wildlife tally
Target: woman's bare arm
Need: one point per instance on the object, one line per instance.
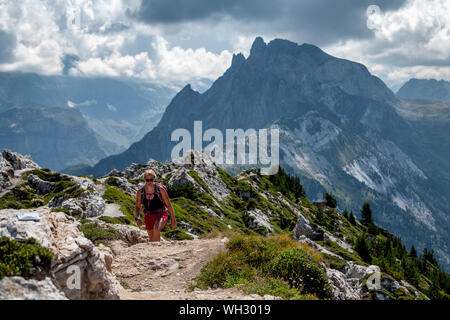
(166, 200)
(137, 208)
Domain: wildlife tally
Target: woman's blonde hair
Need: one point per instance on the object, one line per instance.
(149, 172)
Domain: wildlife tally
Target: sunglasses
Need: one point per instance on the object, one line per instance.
(149, 180)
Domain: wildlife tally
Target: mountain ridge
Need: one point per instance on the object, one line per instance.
(432, 89)
(60, 131)
(104, 102)
(341, 132)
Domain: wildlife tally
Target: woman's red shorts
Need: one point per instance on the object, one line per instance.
(150, 219)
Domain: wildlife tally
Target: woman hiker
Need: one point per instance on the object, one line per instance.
(156, 203)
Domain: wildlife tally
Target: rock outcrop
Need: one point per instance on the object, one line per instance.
(18, 161)
(11, 161)
(88, 204)
(79, 269)
(305, 228)
(128, 234)
(181, 177)
(18, 288)
(341, 288)
(179, 170)
(42, 187)
(352, 283)
(257, 218)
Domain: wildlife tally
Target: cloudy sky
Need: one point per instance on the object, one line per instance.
(173, 42)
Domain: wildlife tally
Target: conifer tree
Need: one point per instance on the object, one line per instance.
(345, 214)
(352, 219)
(413, 252)
(362, 247)
(331, 201)
(366, 214)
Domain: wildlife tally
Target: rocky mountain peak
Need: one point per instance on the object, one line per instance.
(186, 92)
(258, 47)
(238, 60)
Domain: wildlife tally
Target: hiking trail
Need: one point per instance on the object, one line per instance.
(165, 270)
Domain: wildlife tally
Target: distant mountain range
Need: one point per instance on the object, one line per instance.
(425, 89)
(54, 136)
(342, 131)
(119, 111)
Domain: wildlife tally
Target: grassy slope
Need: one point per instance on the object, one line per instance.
(231, 219)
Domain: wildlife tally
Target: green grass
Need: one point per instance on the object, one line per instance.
(197, 179)
(20, 197)
(269, 286)
(127, 203)
(21, 259)
(115, 220)
(267, 265)
(65, 210)
(176, 234)
(188, 211)
(24, 195)
(229, 180)
(97, 234)
(337, 249)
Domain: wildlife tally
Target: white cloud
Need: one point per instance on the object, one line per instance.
(413, 41)
(111, 107)
(43, 40)
(185, 64)
(72, 104)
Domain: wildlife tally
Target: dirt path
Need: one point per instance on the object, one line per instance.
(165, 270)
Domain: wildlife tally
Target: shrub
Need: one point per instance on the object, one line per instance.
(96, 234)
(301, 271)
(275, 287)
(220, 271)
(246, 262)
(252, 204)
(19, 259)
